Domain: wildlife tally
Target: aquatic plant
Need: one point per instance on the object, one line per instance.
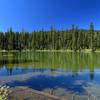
(4, 91)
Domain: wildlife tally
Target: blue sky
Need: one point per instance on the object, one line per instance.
(37, 14)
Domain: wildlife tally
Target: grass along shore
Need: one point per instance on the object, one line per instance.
(84, 51)
(45, 50)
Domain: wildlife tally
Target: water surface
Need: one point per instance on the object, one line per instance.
(66, 72)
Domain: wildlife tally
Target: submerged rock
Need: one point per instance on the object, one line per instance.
(25, 93)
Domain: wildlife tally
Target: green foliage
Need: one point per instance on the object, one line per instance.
(74, 39)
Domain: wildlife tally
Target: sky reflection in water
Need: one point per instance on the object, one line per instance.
(78, 73)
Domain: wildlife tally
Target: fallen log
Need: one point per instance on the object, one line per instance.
(26, 90)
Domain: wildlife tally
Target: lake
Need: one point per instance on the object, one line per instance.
(61, 72)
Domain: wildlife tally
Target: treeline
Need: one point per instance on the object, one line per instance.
(73, 39)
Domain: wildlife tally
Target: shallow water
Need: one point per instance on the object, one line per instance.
(77, 73)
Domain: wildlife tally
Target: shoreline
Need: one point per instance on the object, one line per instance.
(82, 51)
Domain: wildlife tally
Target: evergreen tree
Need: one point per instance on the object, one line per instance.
(74, 39)
(92, 36)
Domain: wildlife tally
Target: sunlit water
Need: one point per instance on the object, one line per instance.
(77, 73)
